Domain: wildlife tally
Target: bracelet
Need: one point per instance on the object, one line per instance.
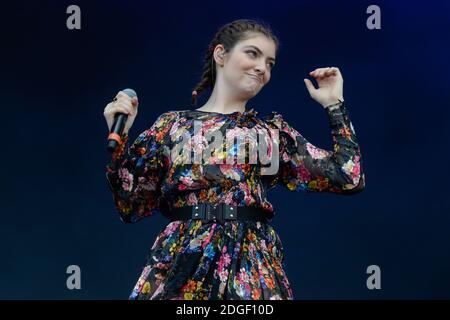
(335, 105)
(121, 147)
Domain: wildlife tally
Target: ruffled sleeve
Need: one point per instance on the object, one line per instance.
(134, 173)
(305, 167)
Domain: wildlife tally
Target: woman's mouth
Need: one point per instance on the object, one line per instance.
(255, 77)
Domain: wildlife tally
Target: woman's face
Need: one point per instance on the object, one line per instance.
(247, 68)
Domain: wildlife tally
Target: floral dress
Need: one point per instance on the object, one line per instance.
(197, 259)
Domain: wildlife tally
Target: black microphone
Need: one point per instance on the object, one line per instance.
(118, 125)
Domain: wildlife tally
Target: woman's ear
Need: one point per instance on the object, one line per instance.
(220, 54)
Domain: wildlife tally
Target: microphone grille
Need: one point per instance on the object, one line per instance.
(130, 92)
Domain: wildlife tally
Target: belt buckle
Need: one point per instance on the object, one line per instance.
(198, 211)
(214, 212)
(208, 212)
(229, 212)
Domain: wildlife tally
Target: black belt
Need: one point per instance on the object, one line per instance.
(219, 213)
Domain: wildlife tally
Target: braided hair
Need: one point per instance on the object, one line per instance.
(228, 35)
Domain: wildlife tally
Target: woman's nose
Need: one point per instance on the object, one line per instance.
(260, 70)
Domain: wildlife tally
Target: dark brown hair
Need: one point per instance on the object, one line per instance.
(229, 35)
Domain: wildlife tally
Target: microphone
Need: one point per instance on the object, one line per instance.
(118, 125)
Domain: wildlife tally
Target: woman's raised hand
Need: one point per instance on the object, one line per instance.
(330, 84)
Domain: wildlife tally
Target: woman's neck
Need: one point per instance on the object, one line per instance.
(222, 103)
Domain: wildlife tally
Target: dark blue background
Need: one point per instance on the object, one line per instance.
(56, 209)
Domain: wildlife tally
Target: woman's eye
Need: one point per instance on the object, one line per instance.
(254, 52)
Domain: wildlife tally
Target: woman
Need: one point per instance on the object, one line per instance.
(220, 243)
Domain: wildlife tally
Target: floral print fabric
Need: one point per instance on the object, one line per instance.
(237, 259)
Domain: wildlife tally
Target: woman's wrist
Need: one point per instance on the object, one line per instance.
(121, 147)
(334, 105)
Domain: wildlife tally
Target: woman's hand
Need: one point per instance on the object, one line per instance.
(330, 84)
(123, 104)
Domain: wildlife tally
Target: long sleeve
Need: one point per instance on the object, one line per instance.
(134, 173)
(305, 167)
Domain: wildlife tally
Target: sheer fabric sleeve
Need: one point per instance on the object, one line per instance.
(305, 167)
(135, 172)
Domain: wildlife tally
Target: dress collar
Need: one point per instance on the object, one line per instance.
(238, 115)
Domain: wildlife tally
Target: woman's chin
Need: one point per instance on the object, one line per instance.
(247, 95)
(251, 90)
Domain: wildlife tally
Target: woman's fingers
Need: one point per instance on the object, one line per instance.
(334, 70)
(121, 94)
(135, 101)
(126, 100)
(309, 86)
(123, 104)
(314, 73)
(327, 72)
(324, 72)
(123, 97)
(318, 73)
(123, 108)
(338, 72)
